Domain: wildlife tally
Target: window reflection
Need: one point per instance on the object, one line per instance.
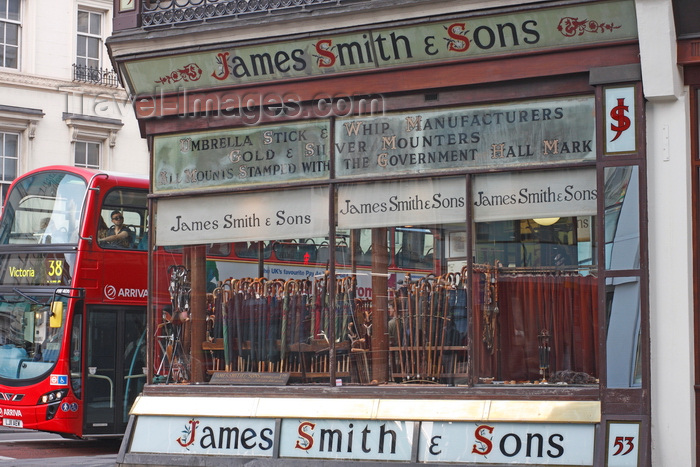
(562, 242)
(510, 299)
(534, 278)
(622, 218)
(623, 332)
(535, 326)
(535, 302)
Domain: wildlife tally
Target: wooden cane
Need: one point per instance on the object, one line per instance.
(225, 292)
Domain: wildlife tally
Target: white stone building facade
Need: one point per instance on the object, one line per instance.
(60, 100)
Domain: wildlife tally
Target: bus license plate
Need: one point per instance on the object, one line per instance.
(13, 422)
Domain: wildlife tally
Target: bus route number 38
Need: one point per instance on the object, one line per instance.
(54, 271)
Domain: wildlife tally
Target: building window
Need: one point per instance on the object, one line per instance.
(89, 51)
(9, 156)
(91, 136)
(9, 33)
(87, 154)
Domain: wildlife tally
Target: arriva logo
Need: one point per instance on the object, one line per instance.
(111, 293)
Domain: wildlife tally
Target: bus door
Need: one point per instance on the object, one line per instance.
(115, 366)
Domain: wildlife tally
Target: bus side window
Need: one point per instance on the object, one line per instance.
(132, 205)
(143, 241)
(127, 216)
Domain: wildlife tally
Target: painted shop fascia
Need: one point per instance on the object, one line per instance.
(376, 49)
(386, 436)
(232, 167)
(209, 67)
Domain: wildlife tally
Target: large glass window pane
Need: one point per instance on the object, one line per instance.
(45, 209)
(623, 332)
(622, 218)
(262, 278)
(29, 345)
(534, 279)
(415, 295)
(413, 324)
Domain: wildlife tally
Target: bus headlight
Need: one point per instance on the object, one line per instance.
(53, 396)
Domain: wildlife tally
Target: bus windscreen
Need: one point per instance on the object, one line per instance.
(44, 208)
(30, 340)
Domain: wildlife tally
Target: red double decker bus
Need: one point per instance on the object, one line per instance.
(73, 300)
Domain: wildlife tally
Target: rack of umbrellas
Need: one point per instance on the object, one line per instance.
(428, 326)
(527, 324)
(260, 325)
(284, 326)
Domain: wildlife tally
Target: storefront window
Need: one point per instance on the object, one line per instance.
(416, 320)
(385, 299)
(623, 295)
(622, 218)
(467, 279)
(257, 292)
(534, 279)
(623, 332)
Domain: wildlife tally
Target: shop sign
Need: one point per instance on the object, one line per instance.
(347, 439)
(623, 442)
(439, 140)
(507, 443)
(520, 195)
(405, 202)
(295, 213)
(620, 121)
(325, 54)
(377, 440)
(248, 437)
(241, 157)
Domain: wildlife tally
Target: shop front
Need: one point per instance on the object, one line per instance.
(416, 241)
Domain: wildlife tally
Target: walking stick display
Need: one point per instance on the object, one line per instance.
(220, 315)
(260, 313)
(273, 319)
(431, 348)
(282, 326)
(317, 304)
(237, 312)
(349, 286)
(285, 317)
(276, 326)
(179, 289)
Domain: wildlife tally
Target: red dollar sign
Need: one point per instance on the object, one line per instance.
(618, 114)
